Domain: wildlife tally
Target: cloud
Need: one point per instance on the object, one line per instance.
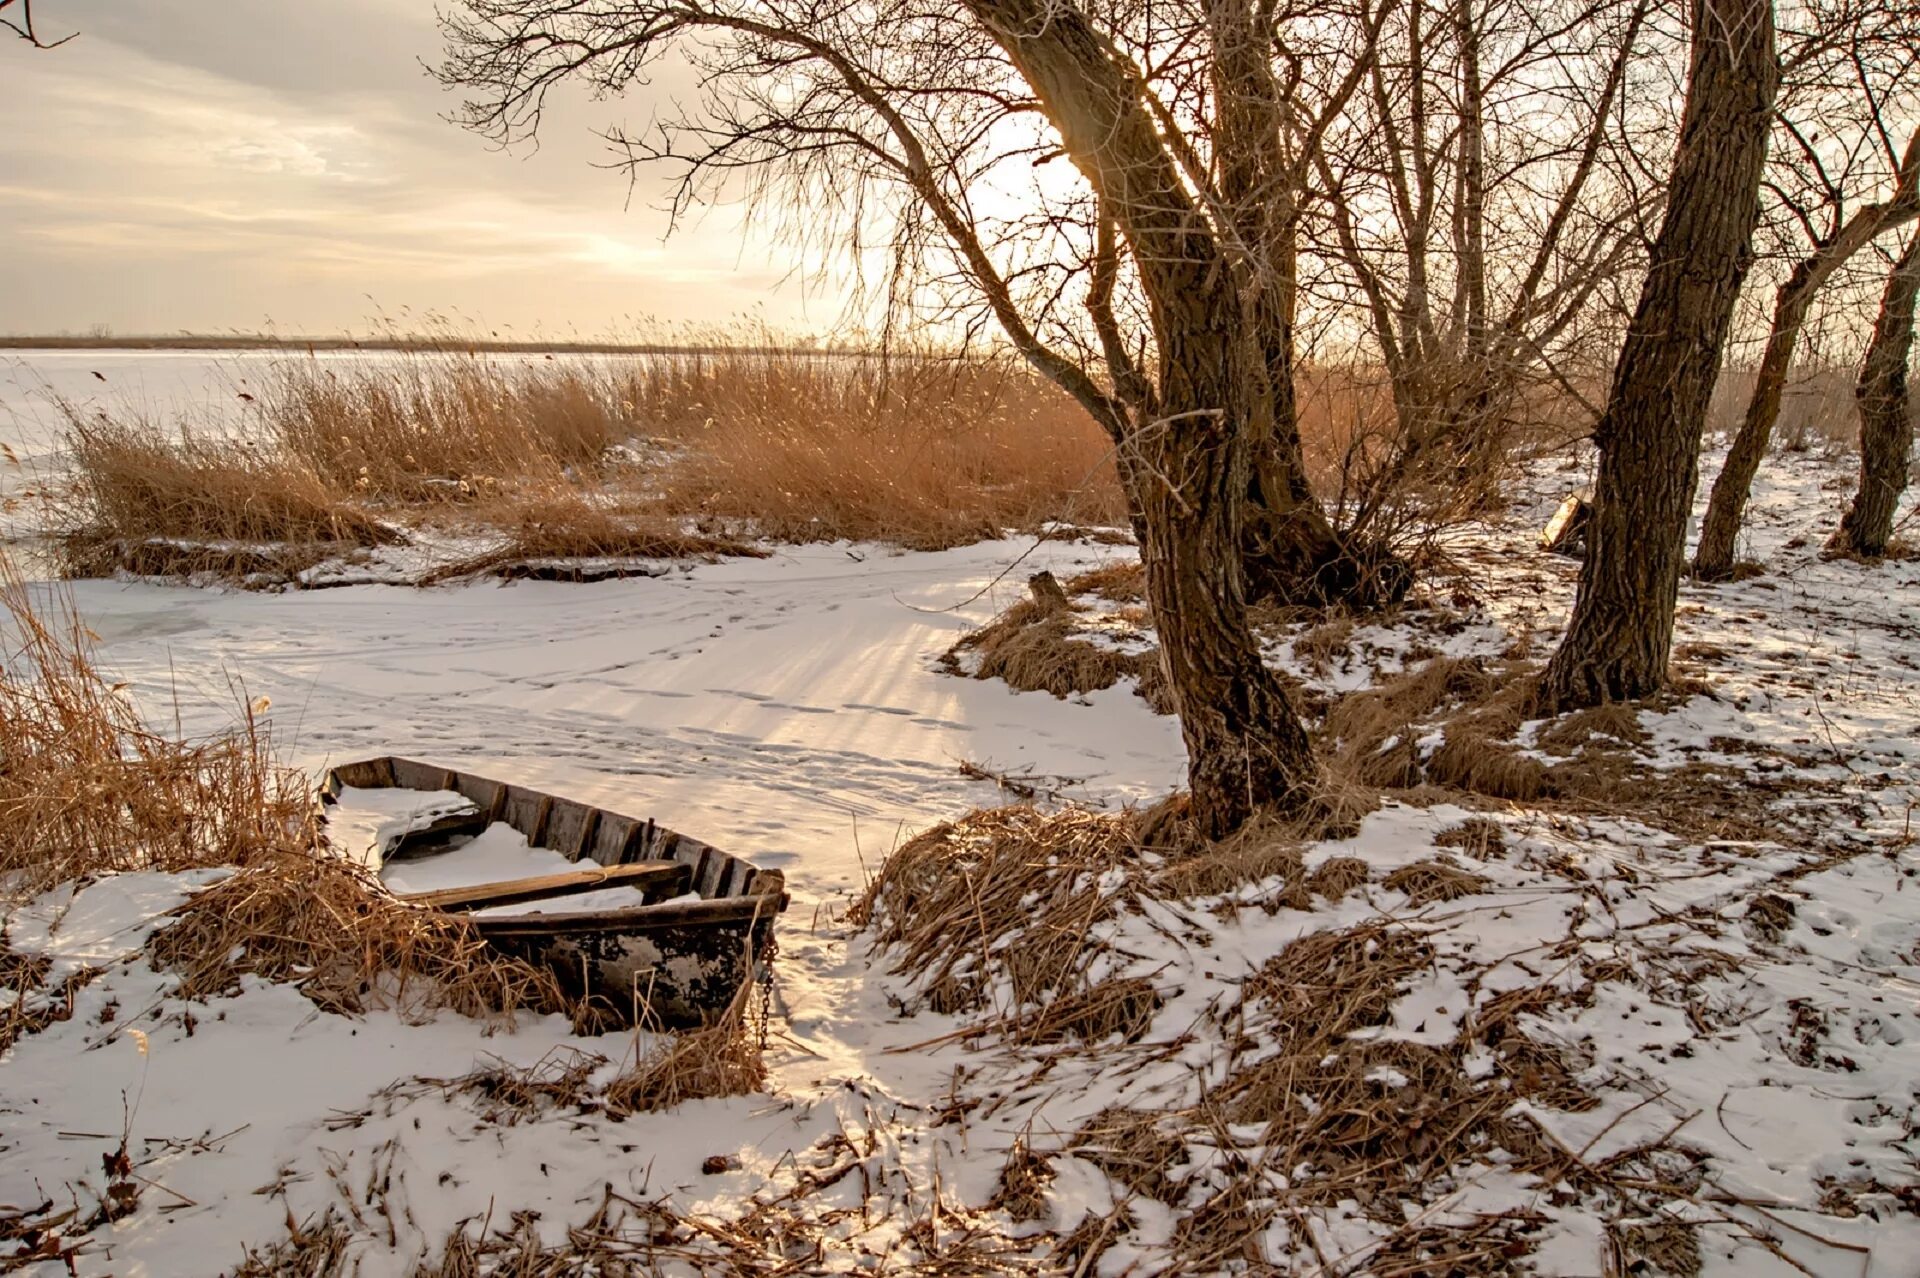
(198, 166)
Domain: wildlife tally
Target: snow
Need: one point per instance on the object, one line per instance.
(789, 711)
(364, 823)
(499, 852)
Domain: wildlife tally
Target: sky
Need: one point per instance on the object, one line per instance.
(285, 166)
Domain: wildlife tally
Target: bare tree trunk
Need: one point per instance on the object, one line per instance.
(1246, 747)
(1727, 505)
(1191, 467)
(1617, 643)
(1886, 416)
(1293, 553)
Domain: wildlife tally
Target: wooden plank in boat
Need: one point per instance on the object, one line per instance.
(368, 774)
(652, 918)
(658, 876)
(612, 835)
(570, 828)
(526, 811)
(422, 776)
(489, 796)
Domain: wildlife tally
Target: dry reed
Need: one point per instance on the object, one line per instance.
(507, 1094)
(560, 523)
(88, 788)
(718, 1059)
(1362, 1115)
(133, 483)
(441, 428)
(1136, 1148)
(918, 450)
(1001, 909)
(1033, 647)
(1021, 1191)
(321, 1247)
(326, 926)
(32, 1004)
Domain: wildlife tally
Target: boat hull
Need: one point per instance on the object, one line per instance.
(676, 963)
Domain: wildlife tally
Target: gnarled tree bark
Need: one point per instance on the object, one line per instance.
(1886, 416)
(1617, 643)
(1191, 467)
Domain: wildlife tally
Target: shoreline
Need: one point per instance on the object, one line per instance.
(403, 345)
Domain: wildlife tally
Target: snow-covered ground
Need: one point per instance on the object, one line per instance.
(790, 711)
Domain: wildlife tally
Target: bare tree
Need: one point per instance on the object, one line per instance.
(1477, 200)
(1617, 643)
(1835, 241)
(1150, 281)
(1886, 415)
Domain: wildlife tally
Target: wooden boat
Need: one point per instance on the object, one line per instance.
(682, 961)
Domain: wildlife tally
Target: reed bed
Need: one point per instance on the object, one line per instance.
(440, 428)
(922, 450)
(133, 480)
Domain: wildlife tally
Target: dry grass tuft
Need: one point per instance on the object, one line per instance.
(1571, 733)
(1478, 764)
(1022, 1188)
(1265, 849)
(1134, 1147)
(1337, 876)
(1371, 734)
(1425, 882)
(1663, 1245)
(87, 788)
(1477, 837)
(1000, 907)
(326, 926)
(1121, 582)
(719, 1059)
(1769, 916)
(1165, 827)
(1032, 648)
(1250, 855)
(1318, 648)
(134, 484)
(1476, 710)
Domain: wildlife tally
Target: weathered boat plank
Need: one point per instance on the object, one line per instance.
(660, 878)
